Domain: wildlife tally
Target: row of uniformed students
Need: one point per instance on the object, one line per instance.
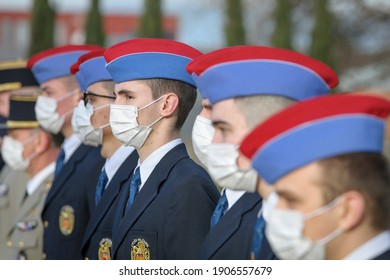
(124, 186)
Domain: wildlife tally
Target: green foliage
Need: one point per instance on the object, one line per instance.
(42, 27)
(322, 45)
(94, 26)
(281, 36)
(234, 28)
(151, 20)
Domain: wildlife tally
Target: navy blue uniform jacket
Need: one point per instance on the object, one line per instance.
(102, 218)
(171, 213)
(231, 237)
(69, 204)
(384, 256)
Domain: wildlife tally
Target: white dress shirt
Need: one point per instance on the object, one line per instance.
(115, 161)
(232, 196)
(36, 181)
(148, 165)
(70, 145)
(371, 248)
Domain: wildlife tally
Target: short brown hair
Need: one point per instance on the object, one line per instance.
(258, 108)
(185, 92)
(367, 173)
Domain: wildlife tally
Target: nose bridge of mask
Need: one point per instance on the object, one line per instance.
(323, 209)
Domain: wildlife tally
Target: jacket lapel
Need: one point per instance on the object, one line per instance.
(228, 224)
(110, 194)
(31, 202)
(66, 171)
(147, 194)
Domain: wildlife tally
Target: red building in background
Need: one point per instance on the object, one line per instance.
(15, 30)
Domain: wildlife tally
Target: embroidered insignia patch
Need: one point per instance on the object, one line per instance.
(140, 249)
(26, 225)
(66, 220)
(104, 252)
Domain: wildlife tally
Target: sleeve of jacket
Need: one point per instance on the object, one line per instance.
(189, 213)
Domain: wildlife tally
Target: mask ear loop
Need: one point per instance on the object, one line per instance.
(322, 209)
(151, 103)
(101, 107)
(153, 123)
(67, 95)
(146, 106)
(98, 108)
(29, 140)
(329, 237)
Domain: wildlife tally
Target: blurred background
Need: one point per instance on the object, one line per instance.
(352, 36)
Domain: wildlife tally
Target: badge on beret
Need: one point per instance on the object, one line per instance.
(104, 249)
(140, 249)
(66, 220)
(3, 190)
(26, 225)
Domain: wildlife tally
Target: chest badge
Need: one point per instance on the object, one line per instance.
(104, 249)
(140, 249)
(66, 220)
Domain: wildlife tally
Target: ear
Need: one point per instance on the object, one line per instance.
(170, 104)
(352, 211)
(42, 142)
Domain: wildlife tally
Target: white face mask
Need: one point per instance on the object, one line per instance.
(202, 134)
(222, 166)
(74, 119)
(45, 110)
(92, 136)
(284, 231)
(12, 152)
(125, 127)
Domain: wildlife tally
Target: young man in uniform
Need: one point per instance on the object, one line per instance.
(71, 199)
(92, 119)
(324, 159)
(246, 84)
(165, 211)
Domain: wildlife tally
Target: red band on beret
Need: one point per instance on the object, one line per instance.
(312, 110)
(241, 53)
(146, 45)
(59, 50)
